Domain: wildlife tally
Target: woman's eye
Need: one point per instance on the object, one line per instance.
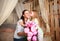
(26, 13)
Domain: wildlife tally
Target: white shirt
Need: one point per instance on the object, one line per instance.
(19, 28)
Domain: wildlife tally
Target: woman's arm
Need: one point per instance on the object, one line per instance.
(19, 29)
(21, 34)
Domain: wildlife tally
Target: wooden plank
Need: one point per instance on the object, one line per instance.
(52, 21)
(59, 7)
(56, 20)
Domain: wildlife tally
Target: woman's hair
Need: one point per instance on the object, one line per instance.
(22, 17)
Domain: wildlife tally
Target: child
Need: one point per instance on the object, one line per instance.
(35, 18)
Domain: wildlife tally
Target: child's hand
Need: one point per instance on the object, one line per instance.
(21, 23)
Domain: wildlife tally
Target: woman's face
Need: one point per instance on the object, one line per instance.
(26, 14)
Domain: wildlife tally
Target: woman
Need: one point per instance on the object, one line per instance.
(19, 34)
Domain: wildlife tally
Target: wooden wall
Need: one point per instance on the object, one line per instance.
(55, 19)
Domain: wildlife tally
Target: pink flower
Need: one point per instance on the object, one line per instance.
(33, 29)
(34, 38)
(26, 30)
(35, 33)
(30, 34)
(30, 24)
(28, 38)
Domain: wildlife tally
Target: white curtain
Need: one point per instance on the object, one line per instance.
(19, 8)
(44, 13)
(7, 8)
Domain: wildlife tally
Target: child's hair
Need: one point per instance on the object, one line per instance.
(36, 14)
(40, 20)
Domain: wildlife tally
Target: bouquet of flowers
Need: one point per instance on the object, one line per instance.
(31, 31)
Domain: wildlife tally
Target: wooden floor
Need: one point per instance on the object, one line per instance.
(7, 35)
(7, 32)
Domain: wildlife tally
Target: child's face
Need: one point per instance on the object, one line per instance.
(32, 14)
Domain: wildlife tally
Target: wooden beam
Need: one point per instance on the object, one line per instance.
(56, 20)
(52, 21)
(59, 6)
